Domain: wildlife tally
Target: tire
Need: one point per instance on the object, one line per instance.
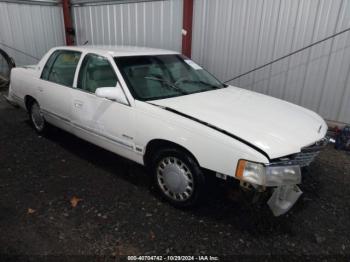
(178, 177)
(36, 118)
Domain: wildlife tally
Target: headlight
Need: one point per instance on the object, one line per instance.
(282, 175)
(260, 174)
(251, 172)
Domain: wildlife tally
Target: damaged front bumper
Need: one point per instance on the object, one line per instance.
(280, 180)
(286, 195)
(283, 199)
(286, 192)
(281, 175)
(280, 199)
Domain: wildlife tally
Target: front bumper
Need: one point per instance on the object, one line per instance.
(283, 199)
(281, 175)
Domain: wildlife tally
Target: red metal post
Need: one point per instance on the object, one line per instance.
(187, 28)
(68, 25)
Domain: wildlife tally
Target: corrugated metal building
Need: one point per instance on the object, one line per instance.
(230, 37)
(148, 23)
(31, 28)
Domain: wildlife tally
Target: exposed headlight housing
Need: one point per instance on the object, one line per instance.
(259, 174)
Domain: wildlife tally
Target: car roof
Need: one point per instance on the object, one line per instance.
(119, 50)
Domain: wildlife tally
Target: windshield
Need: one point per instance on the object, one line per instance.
(164, 76)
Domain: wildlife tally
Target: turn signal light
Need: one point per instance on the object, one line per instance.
(240, 168)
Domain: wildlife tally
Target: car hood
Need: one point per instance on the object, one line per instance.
(277, 127)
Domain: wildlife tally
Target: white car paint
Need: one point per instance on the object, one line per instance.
(274, 126)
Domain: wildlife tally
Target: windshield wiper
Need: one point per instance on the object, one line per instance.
(200, 82)
(169, 84)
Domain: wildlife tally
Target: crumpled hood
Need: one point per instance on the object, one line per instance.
(277, 127)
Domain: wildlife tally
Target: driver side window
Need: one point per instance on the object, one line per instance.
(95, 72)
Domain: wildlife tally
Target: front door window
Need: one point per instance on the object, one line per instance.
(95, 72)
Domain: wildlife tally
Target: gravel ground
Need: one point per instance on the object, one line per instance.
(119, 214)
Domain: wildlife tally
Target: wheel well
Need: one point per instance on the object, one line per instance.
(157, 144)
(28, 101)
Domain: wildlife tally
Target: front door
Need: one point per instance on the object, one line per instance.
(106, 123)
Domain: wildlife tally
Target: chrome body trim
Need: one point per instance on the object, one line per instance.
(304, 158)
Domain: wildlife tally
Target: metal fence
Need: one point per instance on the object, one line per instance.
(234, 36)
(29, 28)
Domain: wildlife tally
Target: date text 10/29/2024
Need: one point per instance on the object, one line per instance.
(173, 258)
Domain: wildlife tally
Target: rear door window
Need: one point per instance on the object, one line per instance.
(61, 67)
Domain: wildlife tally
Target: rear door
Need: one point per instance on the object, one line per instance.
(55, 87)
(106, 123)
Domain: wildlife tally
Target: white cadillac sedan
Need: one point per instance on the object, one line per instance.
(162, 110)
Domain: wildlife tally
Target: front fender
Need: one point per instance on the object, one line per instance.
(212, 149)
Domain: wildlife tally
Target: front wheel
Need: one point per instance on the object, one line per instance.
(178, 177)
(37, 119)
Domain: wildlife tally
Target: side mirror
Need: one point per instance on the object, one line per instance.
(112, 93)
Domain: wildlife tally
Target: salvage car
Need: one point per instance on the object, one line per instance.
(162, 110)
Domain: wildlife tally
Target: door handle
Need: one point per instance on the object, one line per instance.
(78, 104)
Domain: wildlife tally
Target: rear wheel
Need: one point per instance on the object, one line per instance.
(178, 177)
(37, 118)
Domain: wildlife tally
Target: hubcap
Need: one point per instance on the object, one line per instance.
(37, 117)
(175, 178)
